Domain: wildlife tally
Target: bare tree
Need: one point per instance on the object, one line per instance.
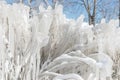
(89, 6)
(91, 12)
(96, 9)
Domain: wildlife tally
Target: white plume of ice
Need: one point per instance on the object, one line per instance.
(48, 46)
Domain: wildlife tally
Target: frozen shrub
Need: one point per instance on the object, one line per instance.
(48, 46)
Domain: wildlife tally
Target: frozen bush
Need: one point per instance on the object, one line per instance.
(48, 46)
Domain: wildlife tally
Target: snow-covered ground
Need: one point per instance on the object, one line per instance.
(48, 46)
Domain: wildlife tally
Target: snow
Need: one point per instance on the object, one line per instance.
(68, 76)
(48, 46)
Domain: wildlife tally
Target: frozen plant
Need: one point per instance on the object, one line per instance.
(48, 46)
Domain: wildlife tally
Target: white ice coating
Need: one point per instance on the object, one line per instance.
(48, 46)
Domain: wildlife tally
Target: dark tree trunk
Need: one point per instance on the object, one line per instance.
(91, 20)
(91, 16)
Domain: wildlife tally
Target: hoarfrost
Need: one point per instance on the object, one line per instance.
(48, 46)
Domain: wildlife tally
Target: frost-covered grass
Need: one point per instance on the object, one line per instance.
(48, 46)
